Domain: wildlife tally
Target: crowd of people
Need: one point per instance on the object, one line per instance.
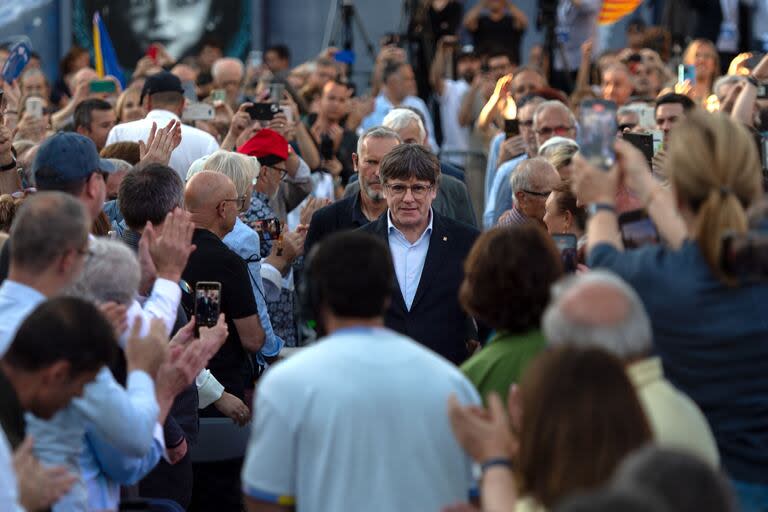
(249, 286)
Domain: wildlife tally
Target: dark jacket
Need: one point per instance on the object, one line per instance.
(342, 215)
(436, 319)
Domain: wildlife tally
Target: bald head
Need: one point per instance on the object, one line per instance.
(185, 72)
(598, 309)
(206, 190)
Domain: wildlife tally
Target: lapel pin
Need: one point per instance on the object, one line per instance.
(445, 239)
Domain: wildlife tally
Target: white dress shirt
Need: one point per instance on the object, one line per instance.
(408, 258)
(16, 303)
(195, 143)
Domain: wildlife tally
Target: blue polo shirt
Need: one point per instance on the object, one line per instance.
(713, 342)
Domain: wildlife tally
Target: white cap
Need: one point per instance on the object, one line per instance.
(555, 141)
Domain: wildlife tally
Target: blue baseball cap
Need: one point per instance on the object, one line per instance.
(67, 157)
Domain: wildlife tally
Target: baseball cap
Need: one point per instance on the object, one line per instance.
(268, 146)
(66, 157)
(164, 81)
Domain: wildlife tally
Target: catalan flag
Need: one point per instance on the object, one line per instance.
(104, 56)
(613, 10)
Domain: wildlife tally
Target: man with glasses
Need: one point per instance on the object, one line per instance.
(531, 184)
(553, 118)
(212, 200)
(428, 251)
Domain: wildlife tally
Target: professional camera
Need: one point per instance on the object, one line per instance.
(745, 255)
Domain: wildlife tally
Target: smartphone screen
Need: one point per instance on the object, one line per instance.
(568, 247)
(597, 125)
(219, 95)
(34, 107)
(511, 128)
(207, 303)
(102, 86)
(268, 229)
(685, 72)
(263, 111)
(637, 229)
(16, 61)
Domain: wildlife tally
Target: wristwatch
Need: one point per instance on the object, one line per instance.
(593, 208)
(9, 166)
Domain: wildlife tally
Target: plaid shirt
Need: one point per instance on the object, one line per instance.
(512, 217)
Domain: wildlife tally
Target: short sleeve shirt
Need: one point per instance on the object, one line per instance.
(214, 261)
(359, 421)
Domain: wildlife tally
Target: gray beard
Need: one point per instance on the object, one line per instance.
(373, 195)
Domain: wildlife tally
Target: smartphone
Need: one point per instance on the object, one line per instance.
(102, 86)
(268, 229)
(190, 92)
(287, 112)
(263, 111)
(276, 92)
(219, 95)
(326, 148)
(511, 128)
(646, 115)
(685, 72)
(643, 142)
(637, 229)
(207, 303)
(18, 56)
(568, 246)
(762, 91)
(198, 112)
(152, 52)
(597, 123)
(34, 107)
(658, 140)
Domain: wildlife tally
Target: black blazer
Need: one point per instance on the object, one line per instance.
(435, 320)
(342, 215)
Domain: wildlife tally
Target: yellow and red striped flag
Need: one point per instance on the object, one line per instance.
(613, 10)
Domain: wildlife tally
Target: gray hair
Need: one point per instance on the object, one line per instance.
(522, 177)
(220, 63)
(47, 225)
(726, 80)
(553, 104)
(120, 164)
(627, 109)
(377, 132)
(631, 337)
(241, 169)
(401, 118)
(110, 274)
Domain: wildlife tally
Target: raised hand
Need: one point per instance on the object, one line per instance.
(214, 337)
(160, 143)
(483, 433)
(170, 251)
(147, 353)
(116, 315)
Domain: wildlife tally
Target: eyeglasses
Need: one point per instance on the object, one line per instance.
(537, 194)
(418, 191)
(557, 130)
(239, 201)
(283, 172)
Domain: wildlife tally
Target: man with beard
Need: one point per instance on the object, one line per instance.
(450, 93)
(359, 209)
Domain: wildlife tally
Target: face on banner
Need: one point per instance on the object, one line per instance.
(179, 25)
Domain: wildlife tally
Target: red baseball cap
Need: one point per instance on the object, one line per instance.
(268, 146)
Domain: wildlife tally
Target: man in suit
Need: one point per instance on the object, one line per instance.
(428, 252)
(365, 205)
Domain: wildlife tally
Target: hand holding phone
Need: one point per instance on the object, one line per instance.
(263, 111)
(207, 304)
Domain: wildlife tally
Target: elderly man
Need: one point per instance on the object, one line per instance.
(428, 250)
(514, 150)
(228, 74)
(367, 204)
(163, 97)
(212, 200)
(599, 309)
(531, 185)
(627, 118)
(617, 84)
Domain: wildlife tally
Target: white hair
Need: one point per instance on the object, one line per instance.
(225, 61)
(377, 132)
(556, 105)
(628, 338)
(243, 170)
(522, 177)
(111, 274)
(401, 118)
(120, 164)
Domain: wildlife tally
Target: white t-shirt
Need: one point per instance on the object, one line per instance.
(359, 422)
(195, 143)
(455, 136)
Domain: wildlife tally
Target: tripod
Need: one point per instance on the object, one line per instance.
(339, 29)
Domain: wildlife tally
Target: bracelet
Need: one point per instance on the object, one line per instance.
(496, 461)
(9, 166)
(754, 81)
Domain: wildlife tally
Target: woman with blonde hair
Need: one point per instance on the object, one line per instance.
(702, 55)
(708, 319)
(128, 106)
